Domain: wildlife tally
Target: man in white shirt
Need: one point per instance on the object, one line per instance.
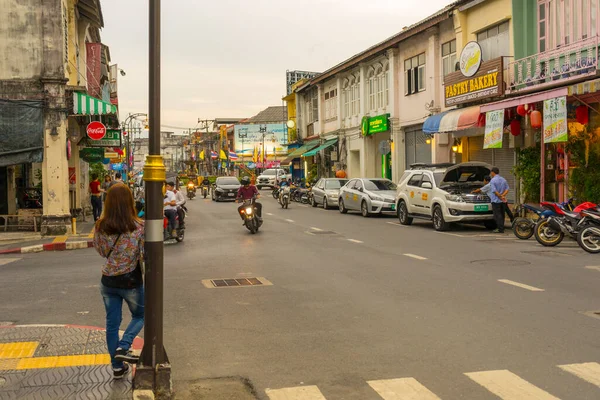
(180, 201)
(170, 204)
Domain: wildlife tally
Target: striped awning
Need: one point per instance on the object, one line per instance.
(584, 88)
(452, 121)
(88, 105)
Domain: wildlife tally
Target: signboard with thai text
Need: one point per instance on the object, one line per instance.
(111, 139)
(488, 82)
(555, 120)
(250, 136)
(94, 68)
(494, 126)
(372, 125)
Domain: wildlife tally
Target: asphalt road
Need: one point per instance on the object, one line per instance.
(353, 300)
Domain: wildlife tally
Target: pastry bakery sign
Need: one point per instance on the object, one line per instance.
(486, 83)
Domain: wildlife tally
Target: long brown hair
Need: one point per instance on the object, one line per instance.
(119, 214)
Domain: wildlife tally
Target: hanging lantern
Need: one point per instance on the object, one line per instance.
(515, 127)
(521, 110)
(583, 115)
(536, 119)
(481, 121)
(340, 174)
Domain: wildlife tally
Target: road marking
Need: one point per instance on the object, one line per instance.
(354, 241)
(316, 229)
(597, 268)
(416, 257)
(4, 261)
(401, 389)
(451, 234)
(295, 393)
(270, 214)
(60, 239)
(18, 349)
(289, 220)
(521, 285)
(509, 386)
(396, 224)
(589, 372)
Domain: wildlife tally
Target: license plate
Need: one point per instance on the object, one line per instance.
(393, 207)
(231, 194)
(481, 207)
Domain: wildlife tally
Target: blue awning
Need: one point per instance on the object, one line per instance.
(454, 120)
(432, 124)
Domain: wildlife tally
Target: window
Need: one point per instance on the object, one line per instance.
(449, 57)
(426, 179)
(386, 78)
(356, 98)
(542, 27)
(331, 104)
(561, 22)
(312, 106)
(380, 91)
(414, 74)
(347, 95)
(372, 90)
(415, 180)
(494, 42)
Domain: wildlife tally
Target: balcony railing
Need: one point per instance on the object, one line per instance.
(553, 67)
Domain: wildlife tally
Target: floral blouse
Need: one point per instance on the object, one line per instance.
(126, 252)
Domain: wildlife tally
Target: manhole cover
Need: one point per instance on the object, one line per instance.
(500, 262)
(547, 253)
(235, 282)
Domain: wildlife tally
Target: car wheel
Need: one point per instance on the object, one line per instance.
(403, 214)
(364, 209)
(325, 205)
(342, 207)
(313, 202)
(438, 219)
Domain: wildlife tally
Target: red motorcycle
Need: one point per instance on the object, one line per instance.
(551, 231)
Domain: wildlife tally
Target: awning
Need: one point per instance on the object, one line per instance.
(88, 105)
(526, 99)
(298, 152)
(327, 144)
(452, 121)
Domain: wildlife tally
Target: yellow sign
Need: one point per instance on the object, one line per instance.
(472, 85)
(355, 197)
(424, 196)
(487, 82)
(412, 195)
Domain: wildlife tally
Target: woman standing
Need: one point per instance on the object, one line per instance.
(119, 237)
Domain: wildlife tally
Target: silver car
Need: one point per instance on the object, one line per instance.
(326, 192)
(369, 196)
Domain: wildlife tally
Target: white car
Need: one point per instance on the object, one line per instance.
(369, 196)
(443, 194)
(271, 177)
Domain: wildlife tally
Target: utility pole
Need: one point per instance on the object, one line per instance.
(154, 370)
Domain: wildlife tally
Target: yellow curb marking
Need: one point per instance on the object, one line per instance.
(54, 362)
(18, 349)
(8, 364)
(60, 239)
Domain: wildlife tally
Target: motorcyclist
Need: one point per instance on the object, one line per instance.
(206, 182)
(180, 201)
(170, 205)
(247, 192)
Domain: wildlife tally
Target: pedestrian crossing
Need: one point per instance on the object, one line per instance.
(505, 384)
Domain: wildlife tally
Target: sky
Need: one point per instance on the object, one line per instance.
(228, 58)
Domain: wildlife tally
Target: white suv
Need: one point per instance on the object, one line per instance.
(442, 193)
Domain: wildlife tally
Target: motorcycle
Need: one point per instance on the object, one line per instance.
(204, 191)
(551, 231)
(191, 190)
(523, 227)
(248, 213)
(180, 232)
(588, 238)
(275, 193)
(284, 197)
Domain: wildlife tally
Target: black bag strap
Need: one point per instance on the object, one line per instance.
(113, 246)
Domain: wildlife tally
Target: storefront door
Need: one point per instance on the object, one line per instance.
(416, 147)
(503, 158)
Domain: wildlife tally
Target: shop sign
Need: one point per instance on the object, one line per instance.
(488, 82)
(372, 125)
(96, 130)
(72, 176)
(91, 155)
(494, 126)
(112, 138)
(470, 59)
(555, 120)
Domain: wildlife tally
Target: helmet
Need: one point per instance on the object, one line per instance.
(245, 181)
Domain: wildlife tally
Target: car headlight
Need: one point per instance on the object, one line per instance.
(219, 190)
(376, 198)
(249, 210)
(455, 198)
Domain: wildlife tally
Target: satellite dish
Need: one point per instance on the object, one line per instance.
(291, 124)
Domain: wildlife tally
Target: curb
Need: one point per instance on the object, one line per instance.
(50, 247)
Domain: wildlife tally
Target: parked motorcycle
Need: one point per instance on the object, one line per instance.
(248, 213)
(588, 237)
(284, 197)
(551, 231)
(191, 190)
(523, 227)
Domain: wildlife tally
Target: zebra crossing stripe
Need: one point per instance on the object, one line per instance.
(296, 393)
(509, 386)
(587, 371)
(402, 389)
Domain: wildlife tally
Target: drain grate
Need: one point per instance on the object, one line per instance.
(235, 282)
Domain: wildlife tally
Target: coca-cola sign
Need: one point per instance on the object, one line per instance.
(96, 130)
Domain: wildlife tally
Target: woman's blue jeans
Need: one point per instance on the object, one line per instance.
(113, 303)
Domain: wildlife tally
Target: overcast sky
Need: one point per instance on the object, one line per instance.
(227, 58)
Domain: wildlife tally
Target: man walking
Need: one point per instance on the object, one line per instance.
(96, 196)
(498, 192)
(117, 180)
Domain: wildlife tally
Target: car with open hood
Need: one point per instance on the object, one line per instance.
(443, 194)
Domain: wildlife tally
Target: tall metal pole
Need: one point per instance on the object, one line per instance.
(154, 371)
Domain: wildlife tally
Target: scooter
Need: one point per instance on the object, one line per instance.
(588, 238)
(276, 193)
(180, 232)
(551, 231)
(248, 213)
(191, 190)
(204, 191)
(284, 197)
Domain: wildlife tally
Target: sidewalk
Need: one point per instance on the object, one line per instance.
(58, 362)
(30, 242)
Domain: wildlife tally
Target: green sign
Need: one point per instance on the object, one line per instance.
(372, 125)
(111, 139)
(91, 155)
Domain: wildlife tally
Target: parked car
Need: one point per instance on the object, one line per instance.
(369, 196)
(225, 188)
(270, 177)
(442, 193)
(326, 192)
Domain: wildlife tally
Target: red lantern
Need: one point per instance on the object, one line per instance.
(521, 110)
(583, 115)
(481, 121)
(536, 119)
(515, 127)
(340, 173)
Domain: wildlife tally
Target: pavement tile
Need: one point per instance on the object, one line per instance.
(52, 376)
(22, 334)
(112, 389)
(59, 350)
(96, 343)
(9, 395)
(9, 364)
(48, 392)
(18, 349)
(94, 374)
(11, 382)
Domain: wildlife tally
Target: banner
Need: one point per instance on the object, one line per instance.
(94, 68)
(555, 120)
(247, 136)
(494, 126)
(112, 138)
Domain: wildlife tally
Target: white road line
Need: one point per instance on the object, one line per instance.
(416, 257)
(270, 214)
(396, 224)
(4, 261)
(354, 241)
(521, 285)
(589, 372)
(290, 221)
(402, 389)
(595, 267)
(509, 386)
(451, 234)
(295, 393)
(316, 229)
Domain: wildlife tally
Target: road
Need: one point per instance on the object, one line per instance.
(359, 308)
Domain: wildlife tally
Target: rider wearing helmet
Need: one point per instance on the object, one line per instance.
(247, 192)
